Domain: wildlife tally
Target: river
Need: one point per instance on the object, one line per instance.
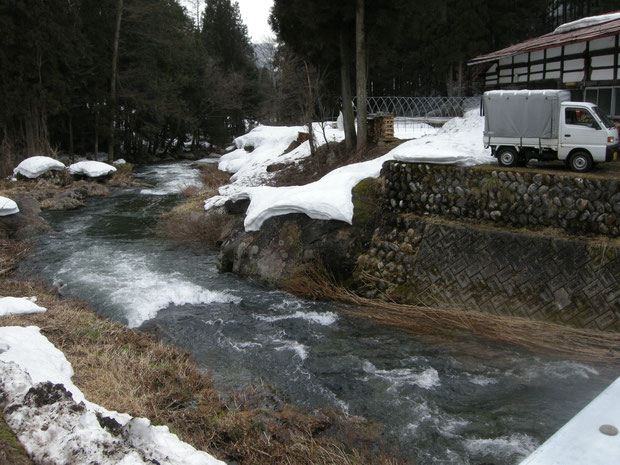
(448, 401)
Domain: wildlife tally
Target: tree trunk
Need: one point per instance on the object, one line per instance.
(96, 149)
(360, 72)
(71, 154)
(309, 111)
(347, 98)
(449, 82)
(117, 34)
(460, 79)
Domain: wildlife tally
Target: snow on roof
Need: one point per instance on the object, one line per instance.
(458, 142)
(8, 207)
(19, 306)
(34, 167)
(586, 22)
(585, 29)
(92, 169)
(27, 358)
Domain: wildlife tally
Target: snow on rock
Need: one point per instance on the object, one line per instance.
(8, 207)
(57, 426)
(34, 167)
(92, 169)
(458, 142)
(120, 161)
(19, 306)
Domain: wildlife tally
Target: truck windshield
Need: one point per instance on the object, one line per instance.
(604, 118)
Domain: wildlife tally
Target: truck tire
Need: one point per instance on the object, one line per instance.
(581, 161)
(507, 156)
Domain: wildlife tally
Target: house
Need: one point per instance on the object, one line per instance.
(582, 56)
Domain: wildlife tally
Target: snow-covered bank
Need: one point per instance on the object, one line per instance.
(58, 427)
(19, 306)
(458, 142)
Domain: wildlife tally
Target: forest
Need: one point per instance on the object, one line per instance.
(142, 77)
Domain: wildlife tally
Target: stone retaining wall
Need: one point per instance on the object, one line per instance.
(505, 197)
(561, 280)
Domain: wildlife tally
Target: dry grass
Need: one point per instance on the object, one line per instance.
(191, 223)
(211, 177)
(129, 371)
(11, 252)
(598, 347)
(327, 158)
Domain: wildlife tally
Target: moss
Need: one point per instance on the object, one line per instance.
(10, 447)
(367, 201)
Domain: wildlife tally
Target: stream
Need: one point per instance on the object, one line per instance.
(447, 401)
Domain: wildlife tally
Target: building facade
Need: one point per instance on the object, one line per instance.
(582, 56)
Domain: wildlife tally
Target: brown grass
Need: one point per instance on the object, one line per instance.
(598, 347)
(191, 223)
(327, 158)
(211, 177)
(129, 371)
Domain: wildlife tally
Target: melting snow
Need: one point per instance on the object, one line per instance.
(7, 207)
(19, 306)
(92, 169)
(58, 426)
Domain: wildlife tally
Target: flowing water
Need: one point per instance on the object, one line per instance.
(460, 402)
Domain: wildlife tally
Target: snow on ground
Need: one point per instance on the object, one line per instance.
(407, 128)
(458, 142)
(92, 169)
(58, 426)
(34, 167)
(19, 306)
(7, 207)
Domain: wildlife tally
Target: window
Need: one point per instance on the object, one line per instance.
(607, 99)
(580, 117)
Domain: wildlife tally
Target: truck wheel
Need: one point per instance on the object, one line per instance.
(581, 162)
(507, 156)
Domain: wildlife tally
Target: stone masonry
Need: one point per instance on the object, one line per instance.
(426, 257)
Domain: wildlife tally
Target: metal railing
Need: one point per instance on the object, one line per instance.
(421, 107)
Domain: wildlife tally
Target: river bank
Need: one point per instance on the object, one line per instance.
(129, 371)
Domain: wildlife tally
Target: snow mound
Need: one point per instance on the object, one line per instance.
(34, 167)
(19, 306)
(59, 427)
(92, 169)
(459, 142)
(7, 207)
(120, 161)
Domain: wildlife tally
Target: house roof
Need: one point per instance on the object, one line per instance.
(555, 39)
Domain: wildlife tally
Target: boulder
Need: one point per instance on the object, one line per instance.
(25, 224)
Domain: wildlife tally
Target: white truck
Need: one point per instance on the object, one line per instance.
(520, 125)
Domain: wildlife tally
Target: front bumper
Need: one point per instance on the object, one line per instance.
(613, 152)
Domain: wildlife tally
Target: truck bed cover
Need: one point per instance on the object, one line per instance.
(522, 113)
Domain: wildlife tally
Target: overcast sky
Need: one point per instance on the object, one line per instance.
(254, 14)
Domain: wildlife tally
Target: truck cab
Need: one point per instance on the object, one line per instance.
(586, 136)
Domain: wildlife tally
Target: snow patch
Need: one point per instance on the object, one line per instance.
(19, 306)
(92, 169)
(8, 206)
(58, 426)
(34, 167)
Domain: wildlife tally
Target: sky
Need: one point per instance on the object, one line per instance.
(254, 14)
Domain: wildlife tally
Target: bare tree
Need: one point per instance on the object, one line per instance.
(360, 72)
(117, 34)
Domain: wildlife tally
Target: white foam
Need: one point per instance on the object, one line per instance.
(563, 369)
(324, 319)
(171, 179)
(299, 349)
(505, 447)
(481, 380)
(428, 378)
(133, 285)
